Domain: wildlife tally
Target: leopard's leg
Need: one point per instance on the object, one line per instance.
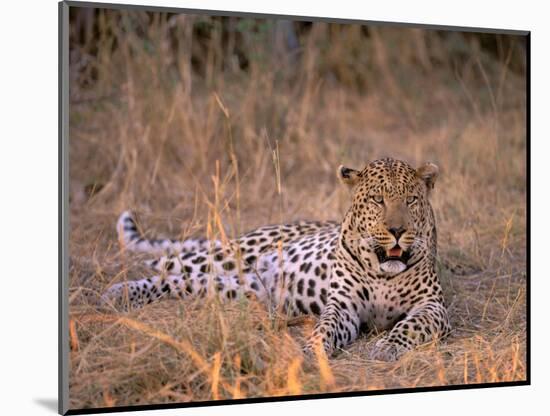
(337, 327)
(200, 273)
(423, 324)
(133, 240)
(138, 293)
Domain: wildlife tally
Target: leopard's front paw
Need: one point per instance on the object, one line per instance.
(386, 350)
(316, 347)
(307, 350)
(311, 348)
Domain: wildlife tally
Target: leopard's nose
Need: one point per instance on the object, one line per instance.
(397, 232)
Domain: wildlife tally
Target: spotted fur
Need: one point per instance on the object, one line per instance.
(375, 268)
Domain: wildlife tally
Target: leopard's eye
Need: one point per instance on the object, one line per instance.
(378, 199)
(411, 200)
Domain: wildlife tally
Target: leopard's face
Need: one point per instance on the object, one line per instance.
(390, 210)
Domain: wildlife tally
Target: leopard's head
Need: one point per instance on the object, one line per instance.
(391, 214)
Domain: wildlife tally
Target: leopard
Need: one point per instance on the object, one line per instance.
(375, 269)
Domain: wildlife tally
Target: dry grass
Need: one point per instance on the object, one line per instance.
(194, 154)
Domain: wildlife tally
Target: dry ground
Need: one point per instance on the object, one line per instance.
(194, 158)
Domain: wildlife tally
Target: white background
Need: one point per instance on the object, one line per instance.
(28, 203)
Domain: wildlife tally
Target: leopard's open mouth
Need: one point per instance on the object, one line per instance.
(395, 253)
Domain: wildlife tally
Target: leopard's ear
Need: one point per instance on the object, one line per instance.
(428, 173)
(347, 175)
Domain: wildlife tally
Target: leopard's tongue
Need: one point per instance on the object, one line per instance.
(395, 252)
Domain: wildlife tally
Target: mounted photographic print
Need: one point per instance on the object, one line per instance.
(266, 208)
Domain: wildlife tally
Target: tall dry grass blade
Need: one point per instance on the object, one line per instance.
(73, 336)
(221, 105)
(515, 360)
(164, 136)
(294, 386)
(327, 377)
(108, 399)
(215, 377)
(466, 367)
(506, 236)
(441, 373)
(479, 375)
(237, 393)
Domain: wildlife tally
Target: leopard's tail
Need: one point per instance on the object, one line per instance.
(131, 238)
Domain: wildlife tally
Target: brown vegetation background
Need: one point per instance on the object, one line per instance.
(213, 126)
